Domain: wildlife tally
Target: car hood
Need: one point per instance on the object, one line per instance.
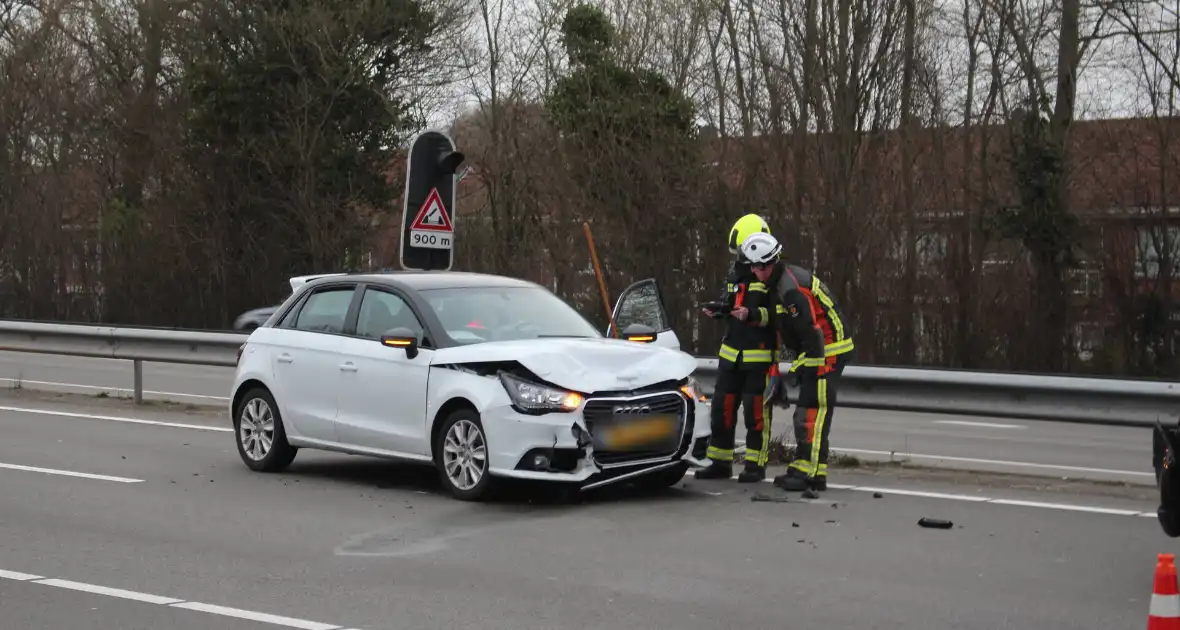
(583, 365)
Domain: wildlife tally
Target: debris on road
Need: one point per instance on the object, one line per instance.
(758, 496)
(935, 523)
(877, 495)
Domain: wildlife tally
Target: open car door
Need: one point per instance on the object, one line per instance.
(641, 305)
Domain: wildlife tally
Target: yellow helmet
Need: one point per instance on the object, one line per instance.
(745, 226)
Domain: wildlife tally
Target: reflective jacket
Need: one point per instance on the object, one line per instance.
(809, 319)
(749, 344)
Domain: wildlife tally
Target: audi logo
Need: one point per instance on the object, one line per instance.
(634, 409)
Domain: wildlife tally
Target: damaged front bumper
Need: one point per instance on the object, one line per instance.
(546, 448)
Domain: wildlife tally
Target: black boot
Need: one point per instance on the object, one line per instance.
(752, 474)
(795, 481)
(715, 470)
(792, 473)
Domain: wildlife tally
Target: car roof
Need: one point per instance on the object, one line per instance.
(426, 280)
(299, 281)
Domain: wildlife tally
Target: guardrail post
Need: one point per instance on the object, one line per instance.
(138, 381)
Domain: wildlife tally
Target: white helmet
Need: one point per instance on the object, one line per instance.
(761, 248)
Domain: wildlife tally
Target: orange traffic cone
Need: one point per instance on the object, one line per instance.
(1165, 596)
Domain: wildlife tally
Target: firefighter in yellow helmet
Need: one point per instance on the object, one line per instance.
(745, 360)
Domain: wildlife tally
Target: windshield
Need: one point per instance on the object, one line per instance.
(477, 315)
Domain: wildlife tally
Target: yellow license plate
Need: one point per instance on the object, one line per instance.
(639, 432)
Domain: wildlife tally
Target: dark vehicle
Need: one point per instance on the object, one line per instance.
(254, 318)
(1165, 445)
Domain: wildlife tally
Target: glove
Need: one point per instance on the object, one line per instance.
(776, 391)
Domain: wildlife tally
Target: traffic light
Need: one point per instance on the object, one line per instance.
(428, 213)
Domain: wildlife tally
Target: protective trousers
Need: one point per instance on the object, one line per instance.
(813, 417)
(746, 387)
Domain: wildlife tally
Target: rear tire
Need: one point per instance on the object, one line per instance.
(258, 430)
(462, 457)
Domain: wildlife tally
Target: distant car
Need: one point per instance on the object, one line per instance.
(256, 317)
(482, 376)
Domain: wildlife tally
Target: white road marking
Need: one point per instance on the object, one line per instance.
(13, 575)
(976, 460)
(90, 416)
(919, 493)
(117, 391)
(988, 425)
(978, 499)
(255, 616)
(1069, 507)
(999, 462)
(70, 473)
(172, 602)
(108, 591)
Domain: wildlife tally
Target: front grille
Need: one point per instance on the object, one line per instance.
(600, 411)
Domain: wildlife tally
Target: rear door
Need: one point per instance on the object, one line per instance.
(306, 361)
(642, 303)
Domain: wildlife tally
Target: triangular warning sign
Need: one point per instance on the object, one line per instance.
(433, 215)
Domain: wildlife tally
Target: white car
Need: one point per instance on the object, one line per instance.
(482, 376)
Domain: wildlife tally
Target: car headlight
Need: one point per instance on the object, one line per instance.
(692, 389)
(535, 398)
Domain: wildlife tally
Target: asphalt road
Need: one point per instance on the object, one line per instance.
(90, 502)
(990, 444)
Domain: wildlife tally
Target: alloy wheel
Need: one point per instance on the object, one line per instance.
(464, 454)
(257, 430)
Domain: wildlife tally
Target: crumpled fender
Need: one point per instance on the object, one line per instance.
(1165, 446)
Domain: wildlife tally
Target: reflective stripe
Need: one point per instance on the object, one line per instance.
(837, 325)
(779, 310)
(761, 456)
(839, 347)
(757, 287)
(1164, 606)
(763, 317)
(805, 361)
(767, 411)
(729, 353)
(802, 465)
(756, 356)
(820, 418)
(720, 454)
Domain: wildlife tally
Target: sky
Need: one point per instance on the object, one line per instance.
(1111, 83)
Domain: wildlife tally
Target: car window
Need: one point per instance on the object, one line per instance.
(480, 314)
(640, 304)
(381, 311)
(324, 311)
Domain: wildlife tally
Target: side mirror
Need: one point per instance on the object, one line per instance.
(401, 338)
(639, 333)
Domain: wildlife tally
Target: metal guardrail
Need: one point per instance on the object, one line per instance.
(1073, 399)
(1106, 401)
(157, 345)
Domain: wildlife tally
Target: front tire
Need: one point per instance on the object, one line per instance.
(462, 456)
(258, 427)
